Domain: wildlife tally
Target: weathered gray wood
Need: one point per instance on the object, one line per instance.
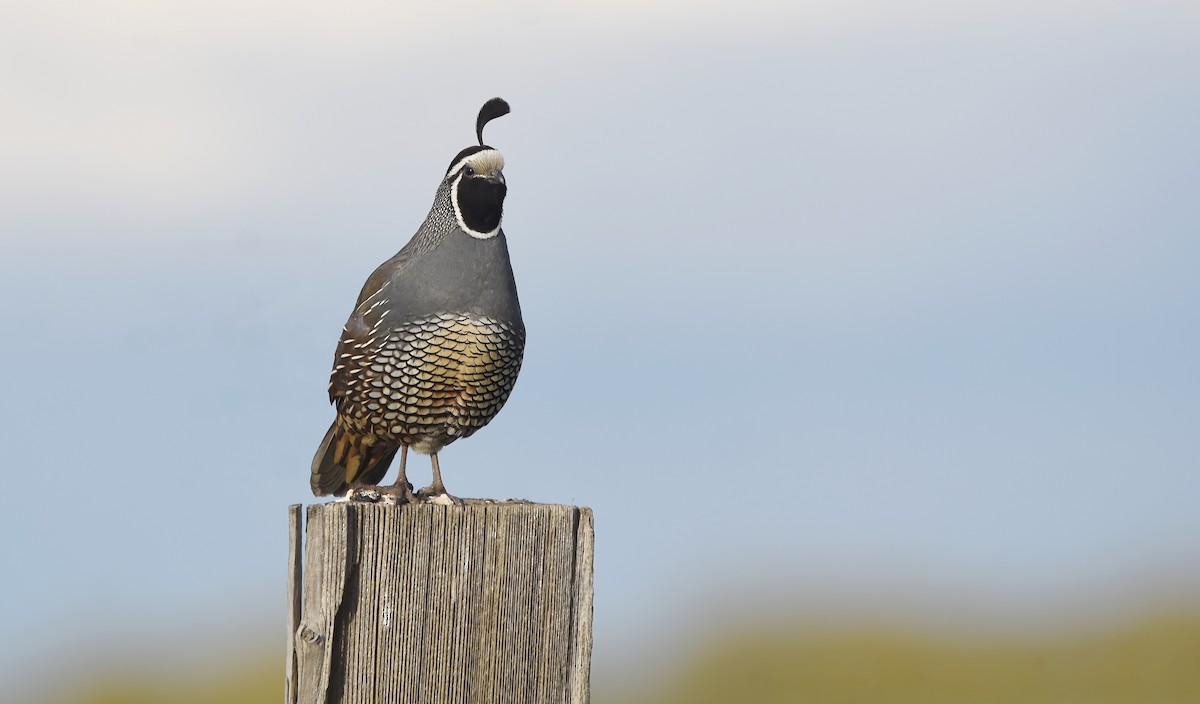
(295, 575)
(485, 603)
(578, 681)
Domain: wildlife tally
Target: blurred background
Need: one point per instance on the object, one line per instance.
(869, 330)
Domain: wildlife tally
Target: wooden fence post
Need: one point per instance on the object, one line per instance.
(484, 603)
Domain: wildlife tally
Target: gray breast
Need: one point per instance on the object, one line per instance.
(434, 355)
(459, 275)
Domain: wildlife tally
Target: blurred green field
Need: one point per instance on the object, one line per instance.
(1153, 661)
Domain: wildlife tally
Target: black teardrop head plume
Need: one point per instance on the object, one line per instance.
(491, 110)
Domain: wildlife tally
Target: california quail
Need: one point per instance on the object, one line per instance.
(434, 344)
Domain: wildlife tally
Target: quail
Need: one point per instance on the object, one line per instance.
(434, 344)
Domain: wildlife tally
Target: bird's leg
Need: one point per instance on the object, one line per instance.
(438, 487)
(401, 489)
(436, 493)
(402, 479)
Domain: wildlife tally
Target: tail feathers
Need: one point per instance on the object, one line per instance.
(346, 458)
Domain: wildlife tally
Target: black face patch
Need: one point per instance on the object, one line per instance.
(481, 202)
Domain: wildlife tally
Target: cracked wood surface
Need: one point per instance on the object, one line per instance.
(440, 604)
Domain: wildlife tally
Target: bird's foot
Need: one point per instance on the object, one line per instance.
(363, 494)
(396, 494)
(400, 494)
(439, 496)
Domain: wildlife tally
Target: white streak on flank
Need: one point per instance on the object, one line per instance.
(359, 309)
(371, 296)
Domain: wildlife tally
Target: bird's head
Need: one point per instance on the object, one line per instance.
(476, 178)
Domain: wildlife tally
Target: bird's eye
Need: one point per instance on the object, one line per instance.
(468, 171)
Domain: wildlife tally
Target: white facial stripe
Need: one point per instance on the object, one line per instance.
(458, 212)
(485, 161)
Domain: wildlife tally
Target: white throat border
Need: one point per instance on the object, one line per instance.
(458, 214)
(490, 157)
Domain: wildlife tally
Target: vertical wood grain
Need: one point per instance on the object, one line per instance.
(295, 579)
(484, 603)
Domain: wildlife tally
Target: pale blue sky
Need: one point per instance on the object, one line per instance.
(878, 301)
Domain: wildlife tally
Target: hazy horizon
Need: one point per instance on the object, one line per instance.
(878, 300)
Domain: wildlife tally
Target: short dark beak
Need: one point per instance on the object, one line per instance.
(496, 176)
